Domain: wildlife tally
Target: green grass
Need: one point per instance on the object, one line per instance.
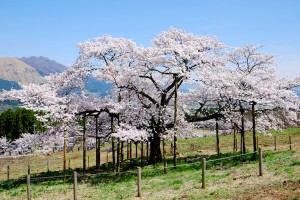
(225, 178)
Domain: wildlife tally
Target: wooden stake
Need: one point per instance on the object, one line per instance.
(275, 142)
(260, 162)
(203, 172)
(290, 141)
(75, 185)
(69, 163)
(28, 187)
(139, 182)
(88, 161)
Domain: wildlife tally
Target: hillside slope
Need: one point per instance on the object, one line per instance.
(13, 69)
(44, 66)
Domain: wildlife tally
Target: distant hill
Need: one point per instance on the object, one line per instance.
(13, 69)
(44, 66)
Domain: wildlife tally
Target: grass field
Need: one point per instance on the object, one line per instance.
(231, 178)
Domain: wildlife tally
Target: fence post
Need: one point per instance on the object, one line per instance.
(88, 161)
(28, 172)
(7, 172)
(28, 187)
(203, 172)
(75, 185)
(290, 141)
(107, 157)
(260, 162)
(48, 166)
(256, 142)
(275, 143)
(139, 181)
(69, 163)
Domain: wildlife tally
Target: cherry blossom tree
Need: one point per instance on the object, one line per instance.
(152, 73)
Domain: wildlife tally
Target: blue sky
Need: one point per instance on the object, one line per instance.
(52, 28)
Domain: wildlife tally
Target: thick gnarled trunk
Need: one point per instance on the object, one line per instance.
(155, 153)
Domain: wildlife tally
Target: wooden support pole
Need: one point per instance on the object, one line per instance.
(203, 172)
(236, 146)
(234, 139)
(290, 142)
(147, 151)
(142, 151)
(84, 146)
(175, 120)
(118, 155)
(253, 103)
(75, 185)
(48, 166)
(275, 143)
(260, 162)
(122, 151)
(139, 182)
(97, 144)
(128, 156)
(7, 172)
(107, 157)
(113, 142)
(136, 149)
(69, 163)
(28, 171)
(88, 161)
(65, 158)
(217, 138)
(28, 187)
(130, 150)
(164, 156)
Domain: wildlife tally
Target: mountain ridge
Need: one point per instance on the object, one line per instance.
(13, 69)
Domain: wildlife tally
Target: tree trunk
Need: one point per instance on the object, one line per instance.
(155, 153)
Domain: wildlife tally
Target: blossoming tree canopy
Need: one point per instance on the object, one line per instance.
(150, 74)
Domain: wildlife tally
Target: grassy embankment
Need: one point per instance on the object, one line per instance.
(233, 178)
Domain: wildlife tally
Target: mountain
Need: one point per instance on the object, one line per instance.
(44, 66)
(13, 69)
